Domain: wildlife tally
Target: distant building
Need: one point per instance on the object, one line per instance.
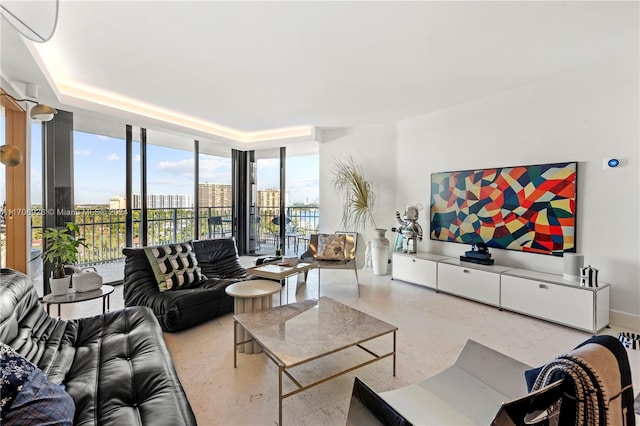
(154, 201)
(271, 198)
(117, 203)
(214, 195)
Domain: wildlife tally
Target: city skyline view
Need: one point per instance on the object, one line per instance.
(99, 171)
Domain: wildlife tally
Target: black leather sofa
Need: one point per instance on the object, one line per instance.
(115, 366)
(179, 309)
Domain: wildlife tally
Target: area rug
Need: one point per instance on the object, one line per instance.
(636, 404)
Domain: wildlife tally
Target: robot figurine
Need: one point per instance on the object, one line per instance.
(410, 228)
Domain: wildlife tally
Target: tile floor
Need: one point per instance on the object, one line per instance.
(432, 330)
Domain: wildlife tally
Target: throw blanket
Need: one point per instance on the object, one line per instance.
(598, 380)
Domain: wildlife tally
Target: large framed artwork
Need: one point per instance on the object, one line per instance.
(524, 208)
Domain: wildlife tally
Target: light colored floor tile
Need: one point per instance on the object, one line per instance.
(433, 327)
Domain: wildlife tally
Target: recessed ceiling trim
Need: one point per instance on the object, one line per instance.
(74, 93)
(80, 92)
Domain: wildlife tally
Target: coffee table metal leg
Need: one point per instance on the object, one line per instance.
(394, 354)
(59, 310)
(48, 305)
(280, 395)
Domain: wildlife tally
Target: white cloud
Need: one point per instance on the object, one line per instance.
(81, 152)
(103, 138)
(173, 166)
(137, 158)
(112, 157)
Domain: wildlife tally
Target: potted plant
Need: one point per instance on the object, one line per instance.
(357, 209)
(61, 249)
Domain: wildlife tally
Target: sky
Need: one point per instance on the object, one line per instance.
(99, 170)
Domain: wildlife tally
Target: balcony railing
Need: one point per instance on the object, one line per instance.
(104, 229)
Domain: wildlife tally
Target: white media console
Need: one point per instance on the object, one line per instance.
(537, 294)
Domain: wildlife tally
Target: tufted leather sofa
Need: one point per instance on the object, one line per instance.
(202, 301)
(115, 366)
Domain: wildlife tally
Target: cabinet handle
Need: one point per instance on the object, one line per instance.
(540, 285)
(466, 271)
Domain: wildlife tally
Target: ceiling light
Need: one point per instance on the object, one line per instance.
(43, 112)
(40, 112)
(10, 155)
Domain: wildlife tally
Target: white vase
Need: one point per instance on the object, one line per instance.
(59, 286)
(380, 253)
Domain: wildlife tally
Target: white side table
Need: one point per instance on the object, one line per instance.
(251, 296)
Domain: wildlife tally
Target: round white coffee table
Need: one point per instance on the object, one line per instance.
(251, 296)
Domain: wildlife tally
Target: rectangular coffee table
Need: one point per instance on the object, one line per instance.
(274, 271)
(295, 334)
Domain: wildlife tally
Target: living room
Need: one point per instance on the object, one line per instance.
(565, 88)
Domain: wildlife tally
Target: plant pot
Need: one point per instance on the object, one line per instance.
(380, 253)
(59, 286)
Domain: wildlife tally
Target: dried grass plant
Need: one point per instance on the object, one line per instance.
(357, 196)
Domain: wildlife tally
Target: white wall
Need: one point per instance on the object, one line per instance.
(373, 148)
(584, 115)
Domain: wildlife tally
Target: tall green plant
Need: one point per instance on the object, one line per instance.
(357, 196)
(62, 247)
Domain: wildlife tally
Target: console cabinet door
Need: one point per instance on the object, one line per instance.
(415, 270)
(557, 303)
(470, 283)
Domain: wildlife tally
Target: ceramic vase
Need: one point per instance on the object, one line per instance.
(59, 286)
(380, 253)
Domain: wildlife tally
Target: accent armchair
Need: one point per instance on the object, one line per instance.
(332, 255)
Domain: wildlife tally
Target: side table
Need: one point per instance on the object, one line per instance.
(104, 292)
(250, 296)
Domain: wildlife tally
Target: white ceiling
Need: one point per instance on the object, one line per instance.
(255, 66)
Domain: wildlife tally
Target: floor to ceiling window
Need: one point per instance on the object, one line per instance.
(303, 193)
(35, 263)
(170, 187)
(214, 195)
(268, 200)
(99, 201)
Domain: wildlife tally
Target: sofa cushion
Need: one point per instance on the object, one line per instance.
(219, 258)
(331, 247)
(27, 396)
(174, 265)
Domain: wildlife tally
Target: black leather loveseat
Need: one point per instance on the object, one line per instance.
(115, 366)
(178, 309)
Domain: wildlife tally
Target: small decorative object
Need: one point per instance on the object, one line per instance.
(479, 253)
(85, 279)
(410, 228)
(573, 262)
(589, 277)
(380, 253)
(367, 257)
(61, 249)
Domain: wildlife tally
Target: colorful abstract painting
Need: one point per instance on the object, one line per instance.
(528, 208)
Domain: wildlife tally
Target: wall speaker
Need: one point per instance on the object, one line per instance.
(572, 264)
